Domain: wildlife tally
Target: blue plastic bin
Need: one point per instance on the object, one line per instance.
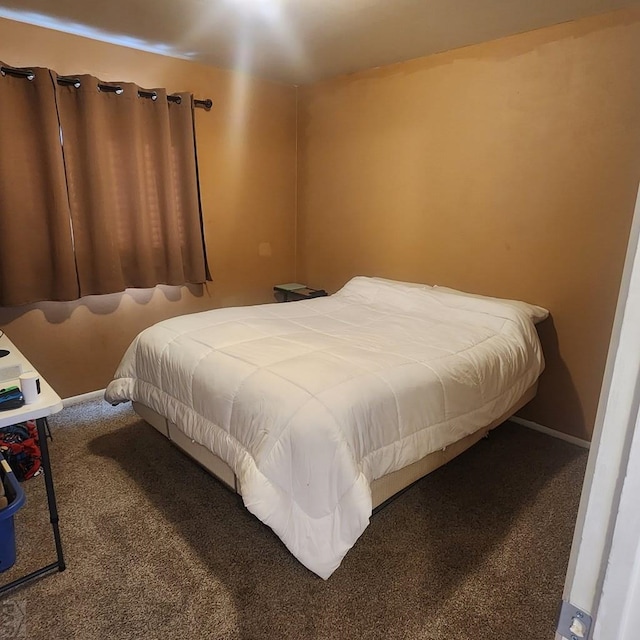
(15, 495)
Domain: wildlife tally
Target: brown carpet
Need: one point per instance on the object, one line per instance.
(157, 549)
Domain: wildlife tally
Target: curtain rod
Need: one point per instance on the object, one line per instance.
(29, 74)
(18, 73)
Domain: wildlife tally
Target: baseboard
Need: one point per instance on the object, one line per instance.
(83, 397)
(551, 432)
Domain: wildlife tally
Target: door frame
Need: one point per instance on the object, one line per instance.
(603, 576)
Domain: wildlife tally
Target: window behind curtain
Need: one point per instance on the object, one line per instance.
(36, 250)
(132, 184)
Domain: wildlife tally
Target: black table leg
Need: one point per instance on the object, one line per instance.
(51, 494)
(53, 513)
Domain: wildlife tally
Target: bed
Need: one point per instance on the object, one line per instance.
(318, 411)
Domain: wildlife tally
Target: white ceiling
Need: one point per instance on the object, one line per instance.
(298, 41)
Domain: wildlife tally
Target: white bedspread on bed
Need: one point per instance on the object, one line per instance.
(310, 401)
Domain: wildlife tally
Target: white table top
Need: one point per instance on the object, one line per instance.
(48, 402)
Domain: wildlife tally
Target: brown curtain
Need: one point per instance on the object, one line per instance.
(36, 249)
(132, 183)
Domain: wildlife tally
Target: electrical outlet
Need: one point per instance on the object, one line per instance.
(264, 249)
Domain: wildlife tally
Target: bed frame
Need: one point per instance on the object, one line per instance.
(382, 489)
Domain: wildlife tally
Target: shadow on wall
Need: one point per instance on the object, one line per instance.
(59, 312)
(557, 404)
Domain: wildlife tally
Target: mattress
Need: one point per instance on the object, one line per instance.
(309, 402)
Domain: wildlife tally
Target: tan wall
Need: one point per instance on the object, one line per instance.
(508, 168)
(247, 155)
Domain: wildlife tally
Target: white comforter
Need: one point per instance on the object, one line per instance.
(308, 402)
